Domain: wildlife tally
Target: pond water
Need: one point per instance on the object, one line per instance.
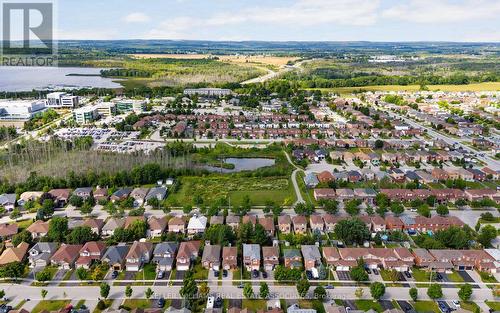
(20, 78)
(242, 164)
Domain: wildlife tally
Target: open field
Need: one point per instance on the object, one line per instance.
(238, 59)
(491, 86)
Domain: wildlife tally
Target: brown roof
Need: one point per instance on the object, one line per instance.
(299, 219)
(331, 252)
(214, 220)
(232, 219)
(157, 223)
(188, 248)
(60, 193)
(325, 176)
(7, 230)
(131, 219)
(267, 223)
(268, 252)
(284, 219)
(94, 223)
(38, 227)
(93, 247)
(316, 219)
(15, 254)
(67, 253)
(138, 249)
(249, 219)
(176, 221)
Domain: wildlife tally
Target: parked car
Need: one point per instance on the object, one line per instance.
(329, 287)
(264, 274)
(375, 271)
(368, 270)
(255, 274)
(216, 273)
(407, 274)
(114, 274)
(161, 303)
(218, 302)
(240, 286)
(160, 275)
(309, 275)
(456, 303)
(224, 273)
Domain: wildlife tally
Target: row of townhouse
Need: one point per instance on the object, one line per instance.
(487, 260)
(442, 195)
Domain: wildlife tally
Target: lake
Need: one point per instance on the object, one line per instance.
(242, 164)
(18, 78)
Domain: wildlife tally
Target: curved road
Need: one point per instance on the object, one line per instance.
(294, 180)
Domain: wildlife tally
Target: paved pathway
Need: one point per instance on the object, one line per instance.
(298, 194)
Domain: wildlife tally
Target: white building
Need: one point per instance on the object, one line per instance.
(59, 100)
(20, 109)
(209, 92)
(106, 109)
(85, 115)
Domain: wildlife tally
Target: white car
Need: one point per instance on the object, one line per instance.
(456, 303)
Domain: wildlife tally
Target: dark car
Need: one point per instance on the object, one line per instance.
(216, 273)
(114, 274)
(240, 286)
(255, 274)
(368, 270)
(264, 274)
(375, 271)
(329, 287)
(218, 302)
(309, 275)
(161, 303)
(407, 274)
(439, 276)
(224, 273)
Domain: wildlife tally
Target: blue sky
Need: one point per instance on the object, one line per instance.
(281, 20)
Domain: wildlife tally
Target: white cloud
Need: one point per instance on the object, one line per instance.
(137, 18)
(302, 13)
(443, 11)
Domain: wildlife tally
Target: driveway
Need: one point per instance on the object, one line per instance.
(179, 275)
(177, 303)
(59, 275)
(343, 275)
(386, 304)
(406, 307)
(229, 279)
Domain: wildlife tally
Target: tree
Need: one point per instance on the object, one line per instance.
(248, 291)
(128, 291)
(303, 287)
(264, 290)
(148, 293)
(104, 290)
(465, 292)
(322, 272)
(189, 288)
(424, 210)
(220, 234)
(359, 292)
(413, 293)
(81, 235)
(382, 200)
(397, 208)
(204, 290)
(320, 293)
(358, 273)
(15, 214)
(377, 290)
(486, 235)
(2, 294)
(442, 210)
(76, 201)
(352, 207)
(23, 236)
(260, 235)
(435, 291)
(138, 229)
(352, 231)
(58, 228)
(330, 206)
(43, 276)
(43, 293)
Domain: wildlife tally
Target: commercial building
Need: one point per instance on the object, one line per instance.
(20, 110)
(85, 115)
(106, 109)
(57, 100)
(127, 106)
(208, 92)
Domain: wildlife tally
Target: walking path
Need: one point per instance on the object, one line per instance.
(298, 194)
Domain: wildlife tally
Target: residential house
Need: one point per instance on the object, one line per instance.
(158, 193)
(129, 220)
(312, 257)
(367, 195)
(252, 219)
(120, 194)
(139, 254)
(157, 226)
(317, 223)
(439, 174)
(115, 256)
(268, 224)
(344, 194)
(229, 258)
(310, 180)
(14, 254)
(233, 221)
(251, 256)
(331, 255)
(325, 177)
(113, 223)
(284, 224)
(39, 255)
(83, 192)
(197, 224)
(139, 194)
(478, 175)
(29, 196)
(94, 224)
(480, 194)
(292, 258)
(60, 196)
(8, 201)
(394, 223)
(270, 256)
(211, 257)
(176, 225)
(463, 260)
(188, 252)
(7, 231)
(66, 256)
(38, 229)
(164, 255)
(216, 220)
(299, 224)
(378, 224)
(324, 194)
(101, 194)
(399, 259)
(90, 252)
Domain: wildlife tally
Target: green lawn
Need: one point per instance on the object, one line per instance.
(494, 305)
(425, 306)
(312, 304)
(487, 278)
(366, 305)
(469, 306)
(107, 302)
(254, 305)
(23, 224)
(455, 277)
(421, 275)
(199, 272)
(50, 305)
(137, 303)
(148, 272)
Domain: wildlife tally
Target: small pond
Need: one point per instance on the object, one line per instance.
(242, 164)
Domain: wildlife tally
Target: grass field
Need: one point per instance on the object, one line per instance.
(211, 188)
(455, 277)
(253, 305)
(239, 59)
(137, 303)
(107, 303)
(494, 305)
(469, 306)
(490, 86)
(50, 305)
(366, 305)
(425, 306)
